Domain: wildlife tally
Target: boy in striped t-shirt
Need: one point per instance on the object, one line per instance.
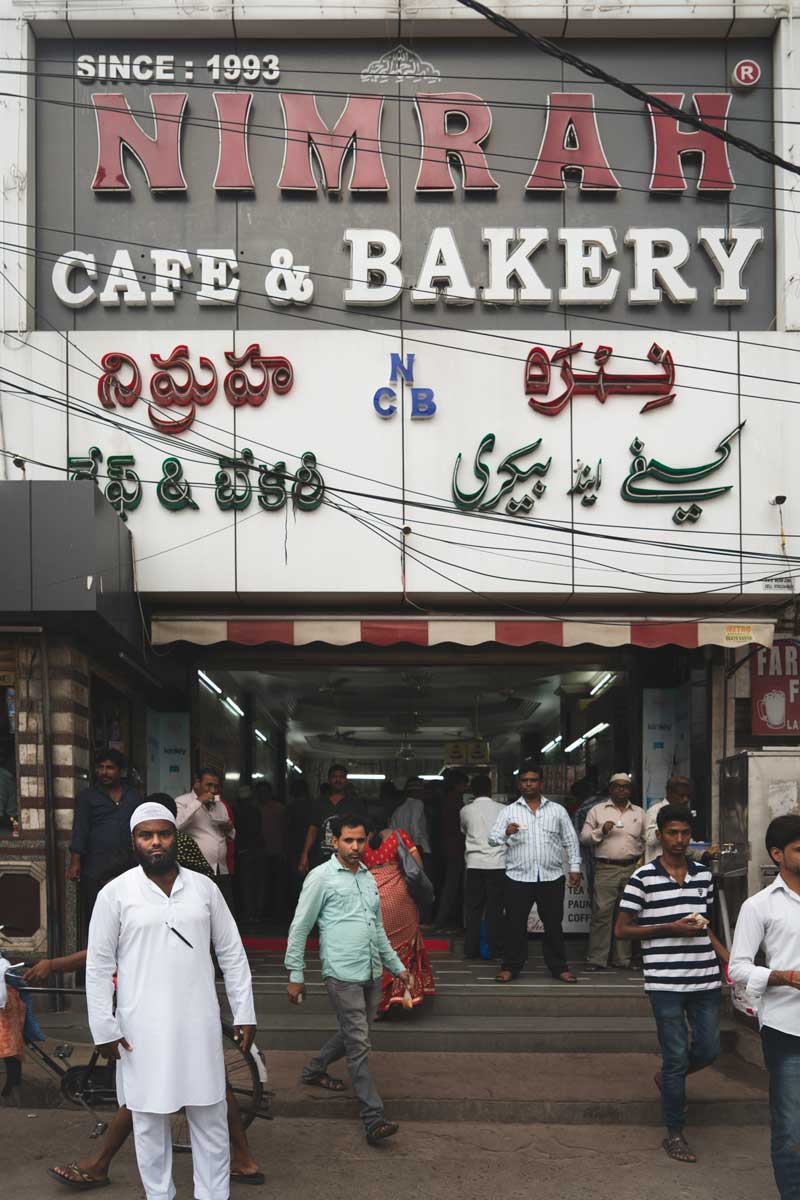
(666, 906)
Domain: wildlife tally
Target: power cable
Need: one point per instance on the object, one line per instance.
(595, 72)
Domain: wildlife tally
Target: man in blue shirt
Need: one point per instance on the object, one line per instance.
(341, 897)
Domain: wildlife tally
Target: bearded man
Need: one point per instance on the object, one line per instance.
(153, 927)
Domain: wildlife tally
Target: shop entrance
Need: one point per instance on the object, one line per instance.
(272, 725)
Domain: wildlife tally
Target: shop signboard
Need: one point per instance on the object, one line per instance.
(354, 320)
(274, 184)
(775, 691)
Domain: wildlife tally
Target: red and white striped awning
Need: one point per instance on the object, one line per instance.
(459, 631)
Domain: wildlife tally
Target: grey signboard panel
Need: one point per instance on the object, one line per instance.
(515, 82)
(15, 546)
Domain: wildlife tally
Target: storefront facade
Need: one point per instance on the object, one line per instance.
(394, 345)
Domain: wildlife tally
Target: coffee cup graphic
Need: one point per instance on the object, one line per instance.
(772, 709)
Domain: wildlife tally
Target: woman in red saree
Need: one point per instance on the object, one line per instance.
(400, 918)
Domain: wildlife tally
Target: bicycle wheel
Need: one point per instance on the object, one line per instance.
(242, 1078)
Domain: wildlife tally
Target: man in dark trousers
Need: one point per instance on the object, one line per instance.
(486, 870)
(101, 840)
(450, 910)
(666, 906)
(538, 836)
(770, 922)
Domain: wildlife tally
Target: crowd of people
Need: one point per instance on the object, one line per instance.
(158, 881)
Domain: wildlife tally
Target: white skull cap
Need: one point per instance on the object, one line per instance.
(150, 811)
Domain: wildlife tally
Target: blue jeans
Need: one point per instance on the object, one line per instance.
(782, 1058)
(679, 1015)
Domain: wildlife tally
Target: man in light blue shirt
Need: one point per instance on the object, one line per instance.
(341, 897)
(538, 836)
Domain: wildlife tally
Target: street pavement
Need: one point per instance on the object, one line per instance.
(441, 1161)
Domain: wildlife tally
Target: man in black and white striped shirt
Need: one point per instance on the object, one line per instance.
(666, 906)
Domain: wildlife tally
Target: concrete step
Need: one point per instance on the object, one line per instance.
(482, 1002)
(426, 1032)
(526, 1089)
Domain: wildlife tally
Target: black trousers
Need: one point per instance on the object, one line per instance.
(549, 900)
(225, 885)
(483, 892)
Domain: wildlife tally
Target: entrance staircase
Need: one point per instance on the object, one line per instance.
(527, 1052)
(532, 1051)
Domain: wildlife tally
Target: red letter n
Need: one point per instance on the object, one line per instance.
(233, 162)
(571, 142)
(159, 155)
(359, 127)
(440, 144)
(670, 144)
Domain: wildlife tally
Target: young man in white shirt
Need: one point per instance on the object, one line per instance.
(771, 919)
(485, 874)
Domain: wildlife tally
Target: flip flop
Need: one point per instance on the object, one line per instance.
(327, 1082)
(678, 1149)
(84, 1182)
(567, 977)
(254, 1179)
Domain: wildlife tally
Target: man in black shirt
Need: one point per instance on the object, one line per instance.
(318, 846)
(101, 840)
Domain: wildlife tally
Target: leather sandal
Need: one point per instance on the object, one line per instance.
(504, 976)
(327, 1082)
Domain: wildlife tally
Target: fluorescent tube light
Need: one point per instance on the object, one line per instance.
(366, 776)
(209, 683)
(595, 730)
(602, 683)
(233, 706)
(573, 745)
(551, 745)
(262, 737)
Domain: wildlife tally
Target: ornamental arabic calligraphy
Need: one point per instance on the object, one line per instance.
(600, 383)
(511, 473)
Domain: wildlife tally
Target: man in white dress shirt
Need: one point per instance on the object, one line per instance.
(204, 817)
(485, 876)
(771, 919)
(153, 927)
(538, 835)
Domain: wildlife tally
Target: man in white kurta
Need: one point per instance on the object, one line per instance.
(153, 926)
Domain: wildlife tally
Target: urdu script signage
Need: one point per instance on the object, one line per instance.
(450, 178)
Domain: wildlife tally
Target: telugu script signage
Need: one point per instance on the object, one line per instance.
(414, 178)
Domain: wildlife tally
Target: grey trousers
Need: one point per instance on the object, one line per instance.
(355, 1005)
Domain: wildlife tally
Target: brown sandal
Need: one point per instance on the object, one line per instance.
(325, 1081)
(504, 976)
(678, 1149)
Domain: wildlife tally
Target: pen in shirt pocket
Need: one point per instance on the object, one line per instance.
(180, 935)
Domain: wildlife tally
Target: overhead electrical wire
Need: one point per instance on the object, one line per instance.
(410, 325)
(269, 89)
(283, 134)
(778, 558)
(546, 46)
